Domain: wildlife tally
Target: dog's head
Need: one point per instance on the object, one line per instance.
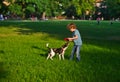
(65, 45)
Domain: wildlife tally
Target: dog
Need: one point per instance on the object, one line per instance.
(60, 51)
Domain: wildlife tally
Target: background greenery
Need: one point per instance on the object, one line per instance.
(23, 52)
(77, 8)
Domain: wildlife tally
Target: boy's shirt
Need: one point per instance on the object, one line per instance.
(77, 41)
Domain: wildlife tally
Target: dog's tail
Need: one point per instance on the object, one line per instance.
(47, 45)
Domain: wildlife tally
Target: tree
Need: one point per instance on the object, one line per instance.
(3, 6)
(15, 9)
(113, 8)
(51, 8)
(81, 8)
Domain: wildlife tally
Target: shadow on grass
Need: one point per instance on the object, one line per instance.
(2, 52)
(36, 47)
(41, 49)
(56, 30)
(3, 72)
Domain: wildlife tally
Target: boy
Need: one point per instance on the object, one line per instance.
(76, 38)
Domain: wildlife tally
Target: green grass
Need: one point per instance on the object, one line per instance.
(23, 52)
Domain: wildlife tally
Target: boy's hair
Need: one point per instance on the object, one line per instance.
(71, 25)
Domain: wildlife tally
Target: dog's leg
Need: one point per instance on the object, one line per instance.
(51, 57)
(48, 56)
(52, 54)
(63, 56)
(59, 56)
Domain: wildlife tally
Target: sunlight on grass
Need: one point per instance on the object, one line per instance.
(94, 48)
(15, 31)
(7, 30)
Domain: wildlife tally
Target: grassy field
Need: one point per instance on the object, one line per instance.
(23, 52)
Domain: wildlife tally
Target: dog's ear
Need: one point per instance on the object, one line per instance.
(47, 44)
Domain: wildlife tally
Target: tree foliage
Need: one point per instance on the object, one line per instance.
(52, 8)
(114, 6)
(15, 9)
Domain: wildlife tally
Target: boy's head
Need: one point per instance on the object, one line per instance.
(71, 27)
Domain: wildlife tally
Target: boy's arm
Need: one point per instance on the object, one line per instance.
(73, 38)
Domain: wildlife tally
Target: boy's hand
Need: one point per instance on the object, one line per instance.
(70, 39)
(73, 38)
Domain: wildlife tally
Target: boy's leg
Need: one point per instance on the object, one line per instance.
(72, 53)
(78, 52)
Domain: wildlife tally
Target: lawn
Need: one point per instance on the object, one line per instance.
(23, 52)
